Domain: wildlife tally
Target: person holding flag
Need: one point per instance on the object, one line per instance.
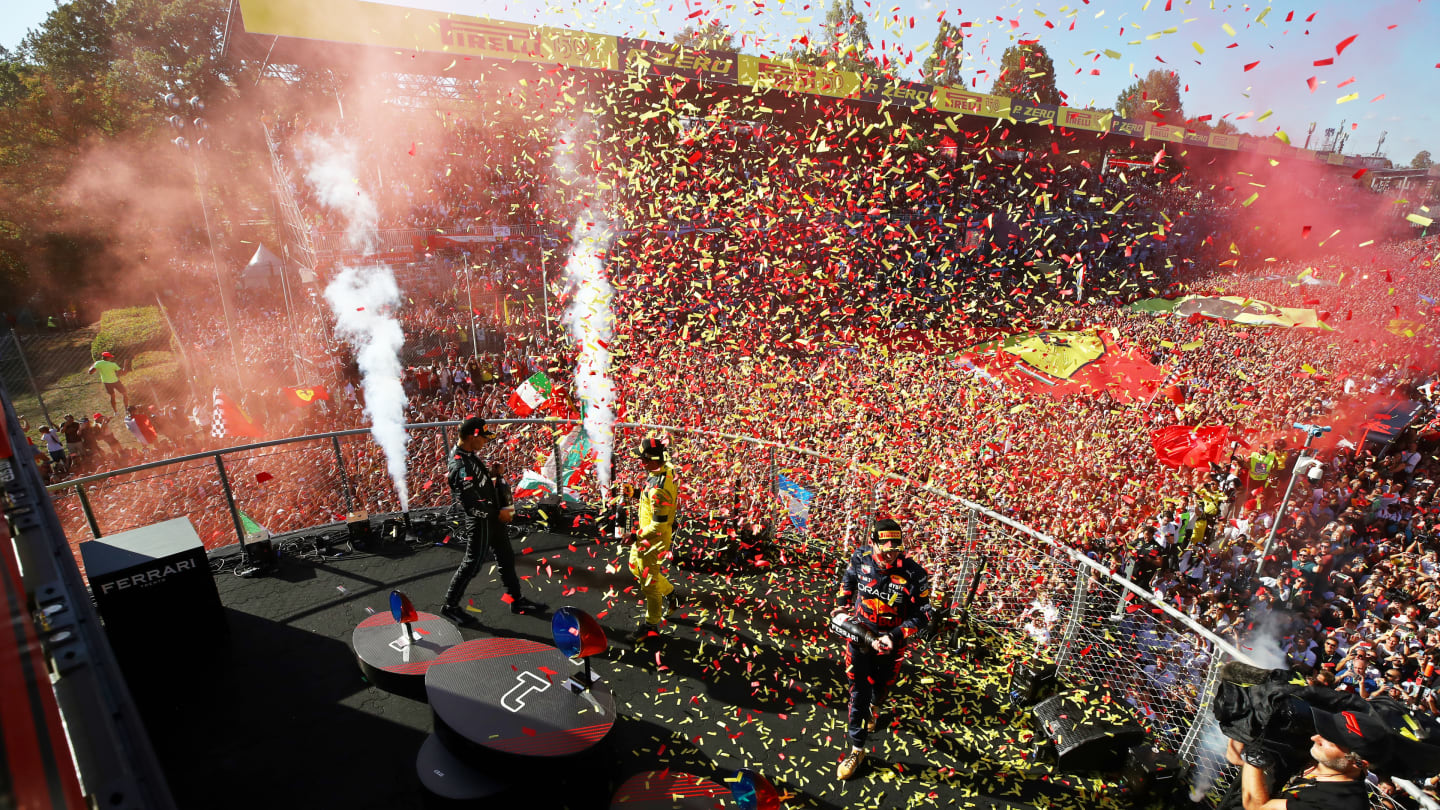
(655, 527)
(485, 506)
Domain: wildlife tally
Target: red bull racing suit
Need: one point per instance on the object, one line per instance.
(889, 600)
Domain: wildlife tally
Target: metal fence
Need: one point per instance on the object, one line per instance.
(44, 369)
(1050, 602)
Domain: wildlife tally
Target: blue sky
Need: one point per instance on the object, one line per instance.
(1381, 82)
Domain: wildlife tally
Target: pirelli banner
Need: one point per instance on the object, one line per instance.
(1091, 120)
(764, 73)
(408, 29)
(662, 59)
(959, 100)
(454, 38)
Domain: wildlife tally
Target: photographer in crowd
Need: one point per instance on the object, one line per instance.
(1343, 747)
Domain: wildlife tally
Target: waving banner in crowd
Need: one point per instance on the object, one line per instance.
(1234, 308)
(1062, 363)
(1184, 446)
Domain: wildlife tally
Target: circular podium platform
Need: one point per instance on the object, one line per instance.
(448, 782)
(510, 696)
(397, 667)
(666, 790)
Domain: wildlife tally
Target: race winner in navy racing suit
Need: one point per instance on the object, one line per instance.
(888, 594)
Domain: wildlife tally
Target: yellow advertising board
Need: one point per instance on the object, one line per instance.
(764, 73)
(955, 99)
(362, 23)
(1078, 118)
(1218, 141)
(1165, 132)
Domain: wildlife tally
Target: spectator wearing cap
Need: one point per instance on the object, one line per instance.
(53, 446)
(485, 506)
(89, 438)
(655, 529)
(100, 428)
(74, 442)
(1343, 748)
(110, 372)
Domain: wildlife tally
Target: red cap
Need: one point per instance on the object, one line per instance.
(98, 416)
(107, 354)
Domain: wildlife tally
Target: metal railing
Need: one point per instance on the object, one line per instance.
(1051, 602)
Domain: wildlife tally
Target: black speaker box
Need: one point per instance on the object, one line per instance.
(973, 639)
(1030, 682)
(1090, 734)
(261, 552)
(1147, 770)
(361, 533)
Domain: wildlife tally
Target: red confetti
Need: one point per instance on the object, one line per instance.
(1345, 43)
(261, 478)
(1327, 62)
(1251, 66)
(1314, 82)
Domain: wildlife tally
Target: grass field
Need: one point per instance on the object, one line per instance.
(58, 362)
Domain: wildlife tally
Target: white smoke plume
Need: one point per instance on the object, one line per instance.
(1261, 646)
(591, 321)
(1209, 757)
(364, 298)
(590, 318)
(331, 170)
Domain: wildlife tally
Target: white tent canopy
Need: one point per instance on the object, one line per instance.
(263, 266)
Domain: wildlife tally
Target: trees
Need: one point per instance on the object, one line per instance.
(74, 42)
(712, 35)
(942, 66)
(81, 94)
(1155, 96)
(845, 44)
(1027, 74)
(1421, 160)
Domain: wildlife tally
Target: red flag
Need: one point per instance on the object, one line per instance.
(304, 397)
(231, 420)
(1180, 445)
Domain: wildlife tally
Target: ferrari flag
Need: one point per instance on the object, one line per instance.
(1063, 363)
(305, 397)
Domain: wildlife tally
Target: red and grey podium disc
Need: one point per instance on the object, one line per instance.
(667, 790)
(395, 666)
(450, 782)
(510, 696)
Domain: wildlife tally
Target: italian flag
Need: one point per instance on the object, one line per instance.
(531, 394)
(533, 484)
(253, 530)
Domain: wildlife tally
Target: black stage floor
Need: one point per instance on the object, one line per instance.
(279, 716)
